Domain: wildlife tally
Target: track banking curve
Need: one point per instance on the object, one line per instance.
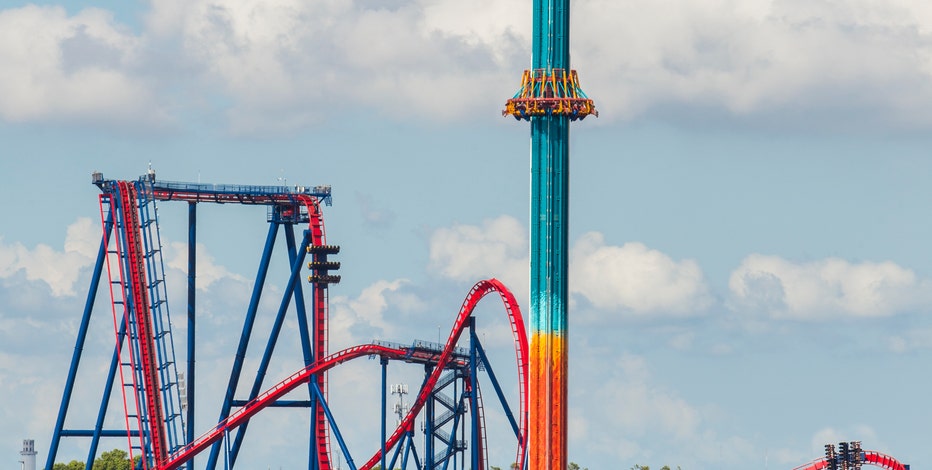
(480, 290)
(871, 457)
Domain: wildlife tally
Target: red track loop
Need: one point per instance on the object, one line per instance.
(521, 347)
(480, 290)
(871, 457)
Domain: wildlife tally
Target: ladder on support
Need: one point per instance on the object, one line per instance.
(124, 322)
(148, 374)
(161, 320)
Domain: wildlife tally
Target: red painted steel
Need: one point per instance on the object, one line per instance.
(320, 302)
(148, 360)
(118, 297)
(883, 461)
(480, 290)
(231, 198)
(871, 457)
(129, 246)
(243, 414)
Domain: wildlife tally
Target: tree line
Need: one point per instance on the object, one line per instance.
(116, 459)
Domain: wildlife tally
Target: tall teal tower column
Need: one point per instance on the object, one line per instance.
(550, 97)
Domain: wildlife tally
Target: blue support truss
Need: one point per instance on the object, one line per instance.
(287, 207)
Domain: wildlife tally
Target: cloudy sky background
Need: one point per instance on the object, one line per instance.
(750, 268)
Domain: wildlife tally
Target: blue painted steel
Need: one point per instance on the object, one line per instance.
(413, 450)
(333, 426)
(442, 447)
(161, 319)
(396, 453)
(227, 465)
(146, 192)
(105, 398)
(323, 192)
(293, 286)
(453, 445)
(244, 337)
(103, 433)
(384, 362)
(297, 256)
(192, 290)
(297, 260)
(428, 425)
(79, 344)
(122, 217)
(279, 403)
(498, 389)
(474, 393)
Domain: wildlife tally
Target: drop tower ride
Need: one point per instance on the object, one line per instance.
(550, 98)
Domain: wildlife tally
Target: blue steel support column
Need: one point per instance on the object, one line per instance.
(192, 275)
(296, 259)
(474, 393)
(384, 362)
(79, 343)
(244, 337)
(428, 425)
(105, 398)
(319, 397)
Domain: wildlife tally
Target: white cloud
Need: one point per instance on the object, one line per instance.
(208, 271)
(301, 62)
(58, 269)
(497, 248)
(635, 278)
(758, 57)
(445, 60)
(76, 68)
(304, 61)
(622, 414)
(362, 319)
(910, 340)
(824, 288)
(648, 407)
(631, 277)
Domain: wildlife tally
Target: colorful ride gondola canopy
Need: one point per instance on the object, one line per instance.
(546, 92)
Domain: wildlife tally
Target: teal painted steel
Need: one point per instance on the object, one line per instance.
(549, 178)
(551, 34)
(549, 257)
(549, 223)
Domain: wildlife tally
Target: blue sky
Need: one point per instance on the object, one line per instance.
(750, 272)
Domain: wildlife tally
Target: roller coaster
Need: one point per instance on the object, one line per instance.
(850, 456)
(158, 407)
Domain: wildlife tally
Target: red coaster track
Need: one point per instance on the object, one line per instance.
(122, 215)
(480, 290)
(871, 457)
